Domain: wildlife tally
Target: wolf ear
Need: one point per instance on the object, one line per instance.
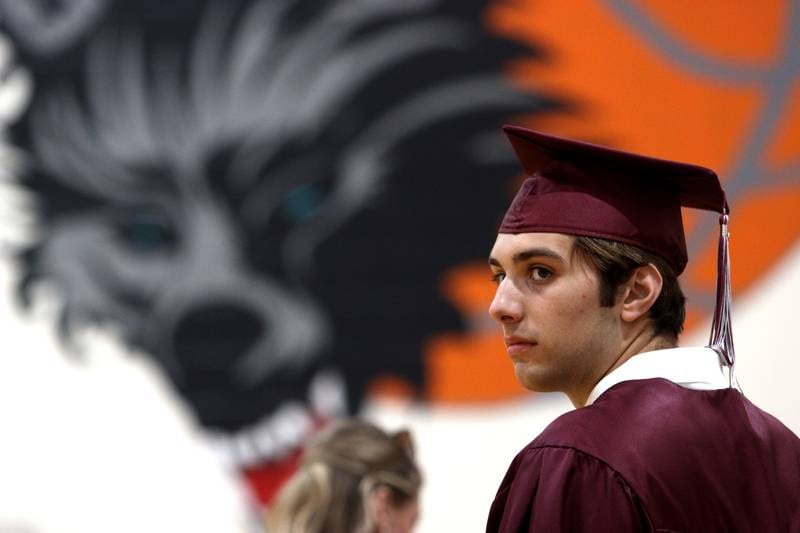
(44, 30)
(403, 439)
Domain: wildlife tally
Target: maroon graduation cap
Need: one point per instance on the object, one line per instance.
(588, 190)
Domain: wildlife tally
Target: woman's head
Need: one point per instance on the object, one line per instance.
(354, 477)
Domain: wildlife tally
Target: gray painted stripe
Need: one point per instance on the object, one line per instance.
(686, 57)
(787, 175)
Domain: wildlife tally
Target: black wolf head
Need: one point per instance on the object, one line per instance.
(264, 194)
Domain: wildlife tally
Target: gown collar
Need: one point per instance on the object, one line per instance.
(691, 367)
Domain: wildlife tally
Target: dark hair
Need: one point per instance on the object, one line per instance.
(615, 262)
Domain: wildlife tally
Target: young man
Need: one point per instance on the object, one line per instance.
(586, 265)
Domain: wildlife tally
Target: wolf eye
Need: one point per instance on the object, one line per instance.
(146, 232)
(302, 203)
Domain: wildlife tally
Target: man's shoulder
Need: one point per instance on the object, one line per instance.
(680, 452)
(639, 416)
(654, 428)
(559, 488)
(622, 406)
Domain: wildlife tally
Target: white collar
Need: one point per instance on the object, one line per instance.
(693, 367)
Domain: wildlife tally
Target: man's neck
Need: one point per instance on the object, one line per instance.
(643, 342)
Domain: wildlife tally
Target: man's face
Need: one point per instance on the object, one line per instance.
(547, 302)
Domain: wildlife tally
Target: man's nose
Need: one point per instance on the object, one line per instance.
(506, 307)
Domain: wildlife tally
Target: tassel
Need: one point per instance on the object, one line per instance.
(721, 340)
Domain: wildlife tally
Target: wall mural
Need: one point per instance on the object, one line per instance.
(263, 195)
(287, 203)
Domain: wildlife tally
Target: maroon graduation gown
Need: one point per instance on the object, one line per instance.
(650, 455)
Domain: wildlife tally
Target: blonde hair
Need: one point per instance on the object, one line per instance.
(340, 467)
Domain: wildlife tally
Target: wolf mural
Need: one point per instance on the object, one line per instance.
(262, 195)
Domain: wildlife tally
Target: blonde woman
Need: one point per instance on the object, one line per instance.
(353, 478)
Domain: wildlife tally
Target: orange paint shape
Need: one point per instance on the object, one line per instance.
(744, 31)
(391, 387)
(693, 319)
(469, 287)
(470, 369)
(624, 93)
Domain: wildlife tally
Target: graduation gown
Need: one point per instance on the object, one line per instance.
(655, 455)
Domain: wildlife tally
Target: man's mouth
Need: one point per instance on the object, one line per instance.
(517, 345)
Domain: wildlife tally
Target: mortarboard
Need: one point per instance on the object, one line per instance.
(583, 189)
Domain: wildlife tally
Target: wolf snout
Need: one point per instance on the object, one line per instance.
(213, 337)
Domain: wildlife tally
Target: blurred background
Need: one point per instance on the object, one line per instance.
(226, 222)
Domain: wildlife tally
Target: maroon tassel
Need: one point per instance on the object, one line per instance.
(721, 340)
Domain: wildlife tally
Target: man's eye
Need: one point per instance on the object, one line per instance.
(497, 277)
(540, 273)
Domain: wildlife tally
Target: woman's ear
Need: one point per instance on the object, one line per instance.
(380, 508)
(640, 292)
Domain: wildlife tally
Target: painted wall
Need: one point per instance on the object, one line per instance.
(197, 194)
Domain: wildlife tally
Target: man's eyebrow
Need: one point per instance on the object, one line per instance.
(524, 255)
(536, 252)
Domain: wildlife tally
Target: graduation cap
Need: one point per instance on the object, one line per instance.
(588, 190)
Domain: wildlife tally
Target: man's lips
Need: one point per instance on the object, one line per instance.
(517, 345)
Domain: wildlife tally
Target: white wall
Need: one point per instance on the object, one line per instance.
(99, 445)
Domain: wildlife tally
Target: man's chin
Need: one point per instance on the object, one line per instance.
(535, 378)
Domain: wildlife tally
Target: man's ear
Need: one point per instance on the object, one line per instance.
(640, 292)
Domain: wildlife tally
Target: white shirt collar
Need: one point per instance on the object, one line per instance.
(693, 367)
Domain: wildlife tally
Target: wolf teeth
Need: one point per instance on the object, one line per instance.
(275, 436)
(268, 440)
(327, 394)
